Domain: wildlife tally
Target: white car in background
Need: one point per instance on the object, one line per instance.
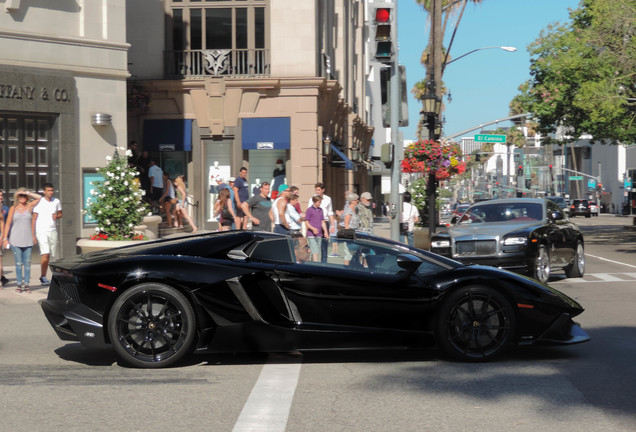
(593, 209)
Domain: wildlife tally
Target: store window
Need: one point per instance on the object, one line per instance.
(218, 162)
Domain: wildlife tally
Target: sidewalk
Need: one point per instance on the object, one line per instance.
(8, 267)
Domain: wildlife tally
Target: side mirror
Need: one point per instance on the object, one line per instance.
(557, 216)
(408, 262)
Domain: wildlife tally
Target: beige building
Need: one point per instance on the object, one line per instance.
(62, 63)
(220, 85)
(250, 83)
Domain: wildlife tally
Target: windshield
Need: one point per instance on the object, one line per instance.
(502, 212)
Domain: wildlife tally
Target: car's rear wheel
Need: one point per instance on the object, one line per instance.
(475, 324)
(541, 268)
(577, 267)
(151, 325)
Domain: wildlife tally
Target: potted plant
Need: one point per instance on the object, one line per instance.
(116, 204)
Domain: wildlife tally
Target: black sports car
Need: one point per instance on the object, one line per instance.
(239, 291)
(526, 235)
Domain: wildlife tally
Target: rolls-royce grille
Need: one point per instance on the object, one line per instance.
(476, 248)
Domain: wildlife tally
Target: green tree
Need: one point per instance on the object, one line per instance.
(116, 202)
(582, 73)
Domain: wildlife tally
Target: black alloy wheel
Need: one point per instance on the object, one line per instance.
(577, 267)
(475, 324)
(151, 326)
(541, 268)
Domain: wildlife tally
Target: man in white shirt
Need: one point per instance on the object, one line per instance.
(45, 214)
(327, 210)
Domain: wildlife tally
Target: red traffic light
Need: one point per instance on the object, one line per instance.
(382, 15)
(550, 166)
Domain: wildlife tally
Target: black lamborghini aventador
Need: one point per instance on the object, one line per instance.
(240, 291)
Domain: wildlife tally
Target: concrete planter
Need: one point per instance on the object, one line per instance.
(87, 245)
(152, 224)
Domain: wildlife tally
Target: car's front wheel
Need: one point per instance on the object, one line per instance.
(475, 324)
(541, 267)
(151, 325)
(577, 267)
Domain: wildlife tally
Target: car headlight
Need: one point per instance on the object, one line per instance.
(440, 243)
(510, 241)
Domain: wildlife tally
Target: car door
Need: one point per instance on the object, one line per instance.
(371, 291)
(560, 234)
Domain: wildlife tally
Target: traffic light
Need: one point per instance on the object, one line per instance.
(385, 95)
(382, 18)
(386, 154)
(520, 170)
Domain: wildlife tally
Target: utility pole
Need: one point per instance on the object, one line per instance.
(435, 79)
(398, 146)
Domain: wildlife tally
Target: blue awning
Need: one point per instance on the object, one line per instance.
(168, 135)
(347, 161)
(266, 133)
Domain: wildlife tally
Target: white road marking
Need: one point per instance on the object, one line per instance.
(606, 277)
(609, 260)
(267, 407)
(600, 278)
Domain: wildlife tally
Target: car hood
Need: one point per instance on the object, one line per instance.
(490, 229)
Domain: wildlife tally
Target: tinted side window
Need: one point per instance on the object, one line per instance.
(276, 250)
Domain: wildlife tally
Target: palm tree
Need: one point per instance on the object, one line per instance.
(432, 63)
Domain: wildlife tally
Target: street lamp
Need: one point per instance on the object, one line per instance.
(431, 107)
(505, 48)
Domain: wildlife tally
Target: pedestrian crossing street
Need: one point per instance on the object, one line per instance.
(600, 277)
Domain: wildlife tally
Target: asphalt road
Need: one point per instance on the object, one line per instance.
(47, 384)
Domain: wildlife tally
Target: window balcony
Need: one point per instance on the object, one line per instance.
(217, 63)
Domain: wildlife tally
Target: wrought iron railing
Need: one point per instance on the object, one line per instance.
(206, 63)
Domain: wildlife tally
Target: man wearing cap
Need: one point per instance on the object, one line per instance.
(241, 194)
(280, 224)
(259, 209)
(365, 214)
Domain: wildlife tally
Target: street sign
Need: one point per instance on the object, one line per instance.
(591, 184)
(576, 177)
(628, 183)
(490, 138)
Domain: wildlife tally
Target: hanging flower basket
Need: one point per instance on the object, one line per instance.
(428, 156)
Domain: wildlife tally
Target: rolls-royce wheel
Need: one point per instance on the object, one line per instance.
(577, 267)
(475, 324)
(541, 268)
(151, 325)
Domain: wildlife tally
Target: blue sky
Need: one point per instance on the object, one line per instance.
(482, 84)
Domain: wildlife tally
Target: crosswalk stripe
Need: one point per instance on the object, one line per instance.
(600, 278)
(606, 277)
(267, 408)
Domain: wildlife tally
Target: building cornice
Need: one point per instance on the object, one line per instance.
(83, 42)
(74, 69)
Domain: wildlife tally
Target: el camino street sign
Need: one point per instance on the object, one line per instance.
(490, 138)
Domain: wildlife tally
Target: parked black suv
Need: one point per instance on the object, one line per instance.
(580, 207)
